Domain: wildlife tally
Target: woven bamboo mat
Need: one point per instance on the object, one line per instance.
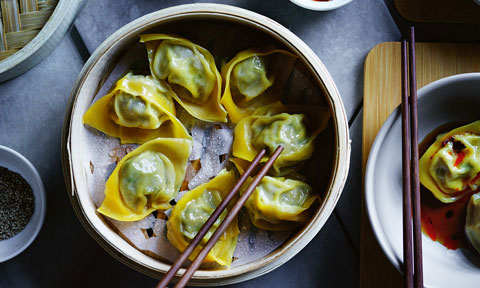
(20, 22)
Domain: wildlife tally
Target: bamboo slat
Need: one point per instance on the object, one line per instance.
(28, 6)
(46, 4)
(382, 91)
(16, 40)
(10, 18)
(6, 53)
(35, 20)
(2, 36)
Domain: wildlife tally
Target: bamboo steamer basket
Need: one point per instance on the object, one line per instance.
(90, 80)
(42, 43)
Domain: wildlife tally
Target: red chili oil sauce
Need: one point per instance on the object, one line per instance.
(443, 222)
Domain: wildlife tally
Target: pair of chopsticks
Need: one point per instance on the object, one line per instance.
(223, 226)
(413, 266)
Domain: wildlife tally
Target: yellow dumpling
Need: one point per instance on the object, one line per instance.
(138, 109)
(278, 203)
(254, 78)
(194, 209)
(257, 131)
(472, 221)
(191, 71)
(146, 179)
(450, 167)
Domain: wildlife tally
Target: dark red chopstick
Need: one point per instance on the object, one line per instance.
(211, 220)
(228, 219)
(407, 199)
(412, 251)
(417, 230)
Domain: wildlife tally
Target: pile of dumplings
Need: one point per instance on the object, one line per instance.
(246, 94)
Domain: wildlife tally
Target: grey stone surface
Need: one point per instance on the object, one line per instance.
(348, 207)
(341, 38)
(32, 108)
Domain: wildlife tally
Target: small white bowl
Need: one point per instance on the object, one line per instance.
(321, 5)
(15, 162)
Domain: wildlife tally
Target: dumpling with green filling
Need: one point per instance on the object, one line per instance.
(472, 222)
(194, 209)
(450, 168)
(254, 78)
(138, 109)
(146, 179)
(258, 131)
(278, 203)
(190, 70)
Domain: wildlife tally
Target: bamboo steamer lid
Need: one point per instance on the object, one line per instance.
(37, 44)
(92, 77)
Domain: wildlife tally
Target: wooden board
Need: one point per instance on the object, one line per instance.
(439, 11)
(382, 88)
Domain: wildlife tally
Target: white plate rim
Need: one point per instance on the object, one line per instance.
(320, 5)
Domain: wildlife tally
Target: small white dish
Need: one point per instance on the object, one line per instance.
(451, 99)
(321, 5)
(15, 162)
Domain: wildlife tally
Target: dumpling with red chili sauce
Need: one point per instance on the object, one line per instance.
(450, 168)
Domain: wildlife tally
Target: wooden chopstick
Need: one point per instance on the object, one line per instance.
(218, 211)
(407, 198)
(211, 220)
(228, 219)
(417, 230)
(413, 265)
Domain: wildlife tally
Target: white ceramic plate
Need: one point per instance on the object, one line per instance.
(321, 5)
(455, 98)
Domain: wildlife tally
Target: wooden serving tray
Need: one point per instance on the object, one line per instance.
(382, 91)
(439, 11)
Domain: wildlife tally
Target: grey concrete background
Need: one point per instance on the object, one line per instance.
(32, 108)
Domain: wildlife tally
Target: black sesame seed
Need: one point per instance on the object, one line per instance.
(16, 203)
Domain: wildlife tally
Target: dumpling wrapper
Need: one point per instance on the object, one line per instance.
(192, 75)
(271, 126)
(150, 175)
(450, 167)
(193, 210)
(261, 76)
(278, 203)
(138, 109)
(472, 222)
